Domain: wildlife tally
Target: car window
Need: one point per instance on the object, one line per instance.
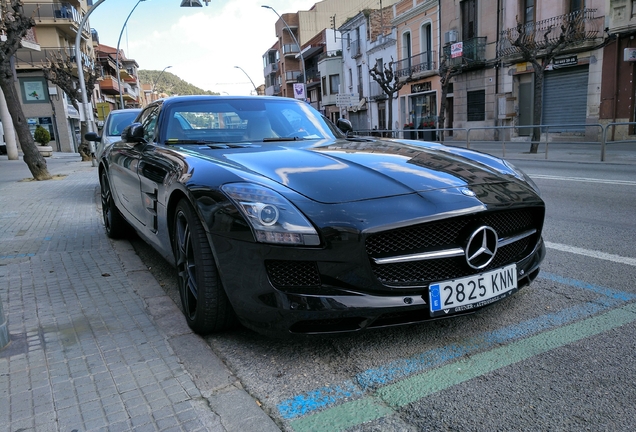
(117, 121)
(148, 120)
(240, 120)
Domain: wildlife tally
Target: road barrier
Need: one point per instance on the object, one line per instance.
(551, 135)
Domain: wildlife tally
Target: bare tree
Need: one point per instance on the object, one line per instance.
(390, 83)
(446, 72)
(14, 26)
(539, 43)
(59, 70)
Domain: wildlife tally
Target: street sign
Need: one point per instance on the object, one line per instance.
(347, 99)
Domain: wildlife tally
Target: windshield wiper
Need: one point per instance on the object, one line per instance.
(209, 143)
(284, 139)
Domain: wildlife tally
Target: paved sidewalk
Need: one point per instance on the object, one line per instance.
(95, 344)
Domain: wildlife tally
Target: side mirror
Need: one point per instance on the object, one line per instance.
(133, 133)
(344, 125)
(92, 136)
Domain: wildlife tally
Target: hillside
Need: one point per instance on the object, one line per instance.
(170, 83)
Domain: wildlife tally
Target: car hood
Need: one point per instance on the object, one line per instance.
(344, 171)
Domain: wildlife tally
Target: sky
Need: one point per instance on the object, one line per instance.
(202, 44)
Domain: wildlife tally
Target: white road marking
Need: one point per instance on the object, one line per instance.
(583, 179)
(592, 253)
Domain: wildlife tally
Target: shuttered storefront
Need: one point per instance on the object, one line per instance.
(565, 98)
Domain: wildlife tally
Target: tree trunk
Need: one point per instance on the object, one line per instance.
(84, 148)
(390, 110)
(32, 157)
(538, 108)
(441, 117)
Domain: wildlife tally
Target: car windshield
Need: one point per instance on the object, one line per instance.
(117, 121)
(226, 120)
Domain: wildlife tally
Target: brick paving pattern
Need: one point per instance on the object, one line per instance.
(84, 354)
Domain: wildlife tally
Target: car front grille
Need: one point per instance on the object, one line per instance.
(293, 273)
(450, 233)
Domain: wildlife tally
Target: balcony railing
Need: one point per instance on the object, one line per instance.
(472, 54)
(417, 64)
(376, 92)
(575, 27)
(293, 76)
(55, 13)
(355, 49)
(35, 59)
(290, 49)
(270, 68)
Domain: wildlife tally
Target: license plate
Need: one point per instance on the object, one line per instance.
(473, 291)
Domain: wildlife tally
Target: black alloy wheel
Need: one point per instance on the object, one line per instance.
(205, 304)
(116, 226)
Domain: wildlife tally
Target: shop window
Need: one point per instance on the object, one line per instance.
(476, 105)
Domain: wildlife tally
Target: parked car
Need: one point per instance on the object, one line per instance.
(273, 215)
(114, 125)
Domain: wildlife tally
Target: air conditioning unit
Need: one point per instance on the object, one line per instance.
(450, 37)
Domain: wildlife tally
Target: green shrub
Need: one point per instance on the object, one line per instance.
(41, 135)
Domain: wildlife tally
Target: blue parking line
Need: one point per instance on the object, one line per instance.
(17, 256)
(372, 379)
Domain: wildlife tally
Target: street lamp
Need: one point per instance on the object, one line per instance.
(152, 89)
(302, 59)
(121, 95)
(248, 77)
(86, 108)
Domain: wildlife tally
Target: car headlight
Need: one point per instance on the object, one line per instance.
(272, 217)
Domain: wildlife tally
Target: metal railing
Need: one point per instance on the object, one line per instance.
(35, 59)
(577, 26)
(422, 62)
(473, 53)
(504, 136)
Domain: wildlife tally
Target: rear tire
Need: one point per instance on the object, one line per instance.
(115, 224)
(205, 304)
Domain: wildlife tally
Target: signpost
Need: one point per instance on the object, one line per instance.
(347, 99)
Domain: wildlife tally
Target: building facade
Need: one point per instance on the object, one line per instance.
(618, 88)
(571, 91)
(45, 104)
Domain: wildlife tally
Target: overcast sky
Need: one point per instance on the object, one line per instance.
(201, 44)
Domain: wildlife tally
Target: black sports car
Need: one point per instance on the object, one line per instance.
(274, 216)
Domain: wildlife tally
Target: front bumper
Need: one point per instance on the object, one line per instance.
(334, 307)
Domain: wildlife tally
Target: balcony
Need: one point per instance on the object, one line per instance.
(29, 59)
(63, 16)
(578, 28)
(472, 54)
(270, 68)
(416, 66)
(109, 85)
(355, 49)
(273, 90)
(290, 50)
(376, 92)
(293, 76)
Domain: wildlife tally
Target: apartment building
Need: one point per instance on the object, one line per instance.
(110, 87)
(283, 63)
(618, 88)
(368, 40)
(571, 91)
(44, 104)
(417, 28)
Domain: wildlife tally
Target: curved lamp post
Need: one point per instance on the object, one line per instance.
(152, 89)
(86, 109)
(121, 95)
(248, 77)
(302, 59)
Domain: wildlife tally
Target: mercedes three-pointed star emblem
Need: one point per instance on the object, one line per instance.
(481, 247)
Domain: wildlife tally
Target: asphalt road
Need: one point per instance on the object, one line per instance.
(556, 356)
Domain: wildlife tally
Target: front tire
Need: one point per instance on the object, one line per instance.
(115, 224)
(205, 304)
